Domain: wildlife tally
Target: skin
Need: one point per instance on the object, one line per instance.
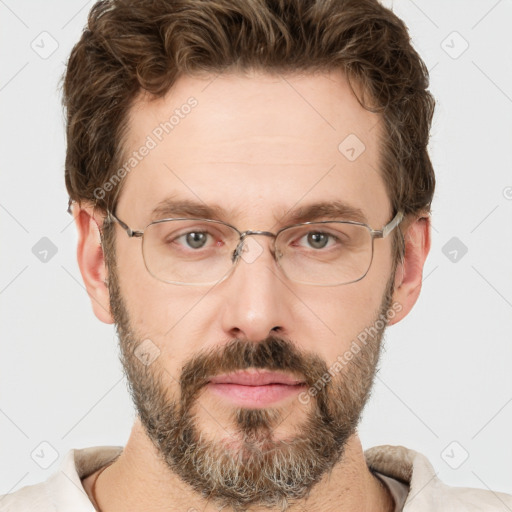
(270, 150)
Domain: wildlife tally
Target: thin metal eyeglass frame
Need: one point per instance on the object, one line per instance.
(374, 233)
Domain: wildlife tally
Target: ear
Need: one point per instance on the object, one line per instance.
(91, 260)
(409, 273)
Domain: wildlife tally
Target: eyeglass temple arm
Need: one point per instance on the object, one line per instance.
(384, 232)
(129, 231)
(111, 216)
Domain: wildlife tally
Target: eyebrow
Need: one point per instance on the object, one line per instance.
(328, 210)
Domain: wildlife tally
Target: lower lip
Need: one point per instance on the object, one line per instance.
(255, 396)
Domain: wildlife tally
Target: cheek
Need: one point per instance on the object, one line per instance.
(345, 312)
(162, 312)
(157, 310)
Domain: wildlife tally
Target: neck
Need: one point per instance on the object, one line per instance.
(139, 480)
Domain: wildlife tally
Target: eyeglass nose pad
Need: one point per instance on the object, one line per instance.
(238, 251)
(242, 247)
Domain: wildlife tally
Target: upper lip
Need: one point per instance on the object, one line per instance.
(256, 378)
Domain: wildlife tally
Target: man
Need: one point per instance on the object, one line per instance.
(251, 187)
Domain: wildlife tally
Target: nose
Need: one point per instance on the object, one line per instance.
(257, 298)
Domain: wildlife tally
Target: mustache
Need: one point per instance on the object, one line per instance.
(273, 353)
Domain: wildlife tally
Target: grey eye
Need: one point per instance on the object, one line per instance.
(197, 239)
(318, 240)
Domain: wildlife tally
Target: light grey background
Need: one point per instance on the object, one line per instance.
(445, 387)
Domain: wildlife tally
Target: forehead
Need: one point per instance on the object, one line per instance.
(255, 144)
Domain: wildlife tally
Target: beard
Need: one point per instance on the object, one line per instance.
(252, 466)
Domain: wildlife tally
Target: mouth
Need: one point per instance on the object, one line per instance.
(255, 388)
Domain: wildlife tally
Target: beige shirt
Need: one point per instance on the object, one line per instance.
(408, 474)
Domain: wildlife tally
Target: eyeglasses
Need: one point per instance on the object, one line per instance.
(187, 251)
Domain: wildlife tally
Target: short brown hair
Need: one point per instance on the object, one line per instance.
(130, 46)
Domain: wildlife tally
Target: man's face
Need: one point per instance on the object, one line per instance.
(258, 147)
